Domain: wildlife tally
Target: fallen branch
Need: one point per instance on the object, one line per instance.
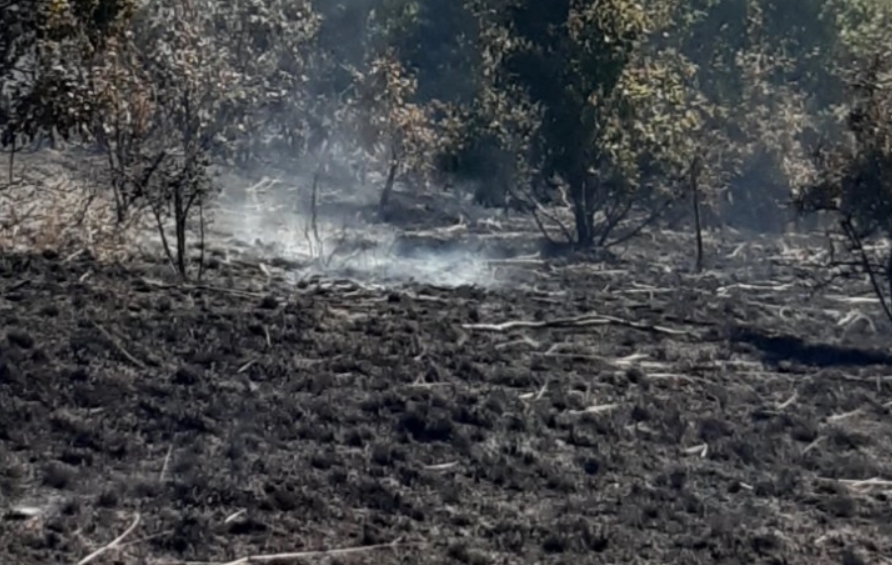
(789, 402)
(234, 516)
(577, 322)
(200, 287)
(114, 543)
(844, 416)
(601, 409)
(15, 286)
(441, 466)
(723, 291)
(860, 484)
(309, 554)
(118, 347)
(165, 464)
(701, 450)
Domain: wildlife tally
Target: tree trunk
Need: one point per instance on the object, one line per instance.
(384, 201)
(889, 275)
(180, 215)
(583, 217)
(585, 230)
(695, 196)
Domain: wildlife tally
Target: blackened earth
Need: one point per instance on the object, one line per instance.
(250, 416)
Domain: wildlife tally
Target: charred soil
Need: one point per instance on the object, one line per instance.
(637, 418)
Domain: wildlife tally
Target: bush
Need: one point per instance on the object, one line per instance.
(853, 178)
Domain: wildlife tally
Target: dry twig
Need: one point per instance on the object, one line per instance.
(118, 347)
(577, 322)
(310, 554)
(166, 464)
(114, 543)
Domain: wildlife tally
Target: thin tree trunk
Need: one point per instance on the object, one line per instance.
(201, 233)
(384, 202)
(888, 282)
(180, 225)
(696, 166)
(585, 236)
(386, 193)
(584, 219)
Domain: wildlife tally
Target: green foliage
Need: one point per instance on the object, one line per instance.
(615, 99)
(851, 177)
(44, 48)
(611, 105)
(854, 177)
(862, 24)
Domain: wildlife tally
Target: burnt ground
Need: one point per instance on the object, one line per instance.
(696, 419)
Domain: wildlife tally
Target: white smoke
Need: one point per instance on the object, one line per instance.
(271, 223)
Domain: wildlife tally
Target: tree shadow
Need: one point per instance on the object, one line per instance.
(776, 348)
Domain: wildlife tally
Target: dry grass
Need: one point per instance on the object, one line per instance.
(53, 201)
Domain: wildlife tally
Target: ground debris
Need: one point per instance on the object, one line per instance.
(284, 421)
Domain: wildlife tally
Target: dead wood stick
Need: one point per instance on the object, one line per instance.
(233, 291)
(860, 483)
(166, 463)
(14, 287)
(114, 543)
(577, 322)
(118, 347)
(309, 554)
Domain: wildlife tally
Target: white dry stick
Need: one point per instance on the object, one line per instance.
(603, 408)
(247, 365)
(839, 417)
(788, 402)
(441, 466)
(629, 360)
(309, 554)
(675, 376)
(737, 251)
(26, 512)
(542, 391)
(874, 482)
(166, 464)
(777, 287)
(853, 299)
(556, 347)
(234, 516)
(700, 450)
(577, 322)
(114, 543)
(812, 445)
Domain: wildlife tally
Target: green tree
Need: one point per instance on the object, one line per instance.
(46, 49)
(596, 75)
(851, 175)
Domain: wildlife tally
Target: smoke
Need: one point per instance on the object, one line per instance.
(275, 219)
(336, 232)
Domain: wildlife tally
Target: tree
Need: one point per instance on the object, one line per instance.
(596, 75)
(271, 46)
(395, 131)
(46, 49)
(853, 178)
(188, 81)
